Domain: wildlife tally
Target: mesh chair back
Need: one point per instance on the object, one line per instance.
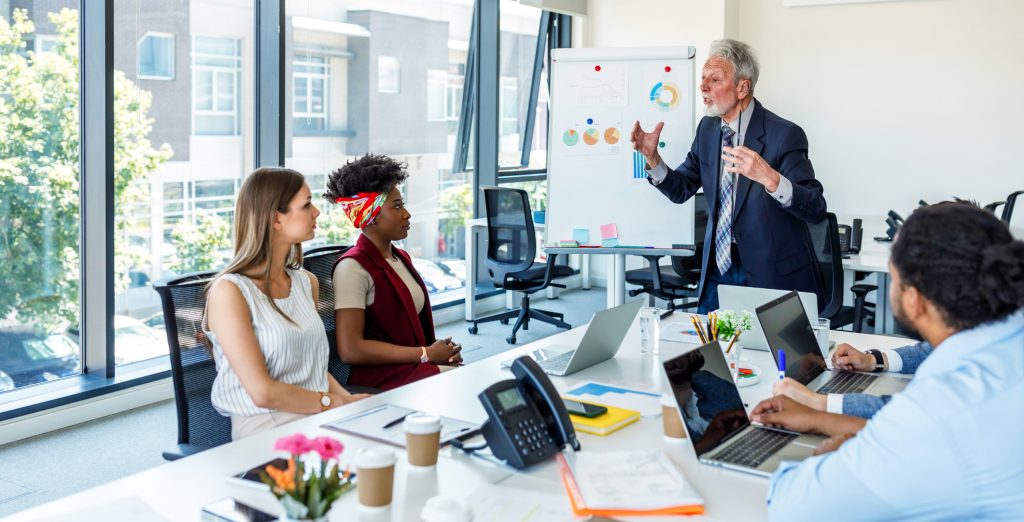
(320, 262)
(511, 240)
(683, 265)
(825, 241)
(1011, 201)
(192, 367)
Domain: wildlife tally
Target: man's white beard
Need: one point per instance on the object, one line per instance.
(712, 111)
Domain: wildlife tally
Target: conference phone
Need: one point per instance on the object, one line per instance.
(526, 422)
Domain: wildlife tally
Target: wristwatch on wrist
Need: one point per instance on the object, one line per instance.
(879, 361)
(325, 401)
(423, 358)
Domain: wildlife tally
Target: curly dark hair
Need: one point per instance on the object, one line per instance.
(962, 259)
(370, 173)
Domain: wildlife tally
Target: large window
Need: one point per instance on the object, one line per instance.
(216, 86)
(518, 41)
(374, 52)
(175, 213)
(39, 202)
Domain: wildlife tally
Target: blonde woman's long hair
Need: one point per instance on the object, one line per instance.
(266, 191)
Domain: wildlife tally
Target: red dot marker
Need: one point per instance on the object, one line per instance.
(597, 67)
(668, 68)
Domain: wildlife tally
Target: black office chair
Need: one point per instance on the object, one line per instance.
(993, 206)
(825, 240)
(200, 427)
(1011, 200)
(511, 249)
(681, 279)
(320, 262)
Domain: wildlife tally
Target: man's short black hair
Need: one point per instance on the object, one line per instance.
(964, 260)
(369, 173)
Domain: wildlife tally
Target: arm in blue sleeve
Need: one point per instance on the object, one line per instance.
(681, 183)
(863, 405)
(913, 356)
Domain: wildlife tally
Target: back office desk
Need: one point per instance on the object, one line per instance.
(178, 490)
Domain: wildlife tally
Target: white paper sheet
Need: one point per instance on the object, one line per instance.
(370, 424)
(503, 504)
(644, 480)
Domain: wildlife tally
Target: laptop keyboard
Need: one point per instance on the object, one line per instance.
(847, 382)
(557, 363)
(757, 446)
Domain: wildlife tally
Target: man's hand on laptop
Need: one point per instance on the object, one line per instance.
(848, 358)
(800, 393)
(785, 413)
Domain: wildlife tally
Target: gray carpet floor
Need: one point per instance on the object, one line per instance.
(53, 465)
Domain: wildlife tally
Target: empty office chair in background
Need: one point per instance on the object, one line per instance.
(511, 250)
(320, 262)
(993, 206)
(200, 427)
(825, 240)
(1011, 200)
(681, 279)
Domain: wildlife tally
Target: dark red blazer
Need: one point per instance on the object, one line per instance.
(392, 319)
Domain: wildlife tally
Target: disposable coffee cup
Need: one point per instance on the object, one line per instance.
(422, 438)
(671, 422)
(444, 508)
(375, 471)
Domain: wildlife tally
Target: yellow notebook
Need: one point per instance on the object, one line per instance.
(614, 420)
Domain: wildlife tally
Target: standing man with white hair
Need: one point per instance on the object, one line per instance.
(757, 235)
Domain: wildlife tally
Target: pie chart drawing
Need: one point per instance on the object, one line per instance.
(665, 96)
(590, 136)
(611, 136)
(571, 137)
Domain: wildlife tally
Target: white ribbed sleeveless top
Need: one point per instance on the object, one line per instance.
(295, 353)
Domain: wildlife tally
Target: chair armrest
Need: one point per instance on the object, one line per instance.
(862, 289)
(352, 388)
(181, 451)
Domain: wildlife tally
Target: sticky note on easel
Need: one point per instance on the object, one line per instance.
(610, 242)
(581, 235)
(609, 231)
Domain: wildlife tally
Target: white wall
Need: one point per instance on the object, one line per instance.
(901, 101)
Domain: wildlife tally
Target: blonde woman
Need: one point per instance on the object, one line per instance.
(268, 343)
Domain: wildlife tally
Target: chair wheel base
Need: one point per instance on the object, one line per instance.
(473, 329)
(503, 321)
(510, 339)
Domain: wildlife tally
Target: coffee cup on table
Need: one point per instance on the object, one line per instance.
(422, 438)
(671, 421)
(375, 471)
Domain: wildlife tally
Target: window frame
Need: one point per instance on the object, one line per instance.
(309, 77)
(215, 72)
(397, 74)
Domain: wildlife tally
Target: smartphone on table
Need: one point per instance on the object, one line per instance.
(583, 409)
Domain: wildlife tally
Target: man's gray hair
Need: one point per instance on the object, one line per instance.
(740, 55)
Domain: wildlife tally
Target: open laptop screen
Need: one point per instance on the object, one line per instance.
(786, 328)
(709, 402)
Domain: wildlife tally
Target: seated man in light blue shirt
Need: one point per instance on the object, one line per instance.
(948, 446)
(903, 360)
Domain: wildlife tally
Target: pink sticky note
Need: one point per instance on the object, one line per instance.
(609, 231)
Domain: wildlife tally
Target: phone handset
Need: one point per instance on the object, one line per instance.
(543, 394)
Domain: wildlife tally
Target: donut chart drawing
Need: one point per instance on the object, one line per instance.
(665, 96)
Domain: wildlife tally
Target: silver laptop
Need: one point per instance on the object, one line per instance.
(786, 327)
(716, 422)
(748, 298)
(600, 342)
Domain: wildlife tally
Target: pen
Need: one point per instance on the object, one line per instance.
(396, 421)
(666, 314)
(782, 365)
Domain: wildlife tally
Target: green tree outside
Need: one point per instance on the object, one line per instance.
(39, 172)
(199, 246)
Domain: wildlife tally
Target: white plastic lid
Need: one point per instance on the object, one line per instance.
(667, 399)
(422, 424)
(445, 509)
(375, 457)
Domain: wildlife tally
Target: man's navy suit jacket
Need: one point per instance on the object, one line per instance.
(773, 241)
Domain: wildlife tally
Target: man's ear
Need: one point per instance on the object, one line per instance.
(744, 89)
(914, 304)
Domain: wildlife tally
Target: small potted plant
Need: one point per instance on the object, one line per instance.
(307, 490)
(729, 326)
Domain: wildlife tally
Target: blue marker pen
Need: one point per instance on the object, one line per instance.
(782, 365)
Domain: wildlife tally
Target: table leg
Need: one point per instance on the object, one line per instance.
(884, 322)
(617, 286)
(585, 271)
(470, 289)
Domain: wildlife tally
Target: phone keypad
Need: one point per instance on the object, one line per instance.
(531, 436)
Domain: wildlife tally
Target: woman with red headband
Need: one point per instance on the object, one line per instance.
(382, 309)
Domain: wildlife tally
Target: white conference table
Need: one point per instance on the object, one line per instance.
(177, 491)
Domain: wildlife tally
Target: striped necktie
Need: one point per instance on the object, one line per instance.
(723, 231)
